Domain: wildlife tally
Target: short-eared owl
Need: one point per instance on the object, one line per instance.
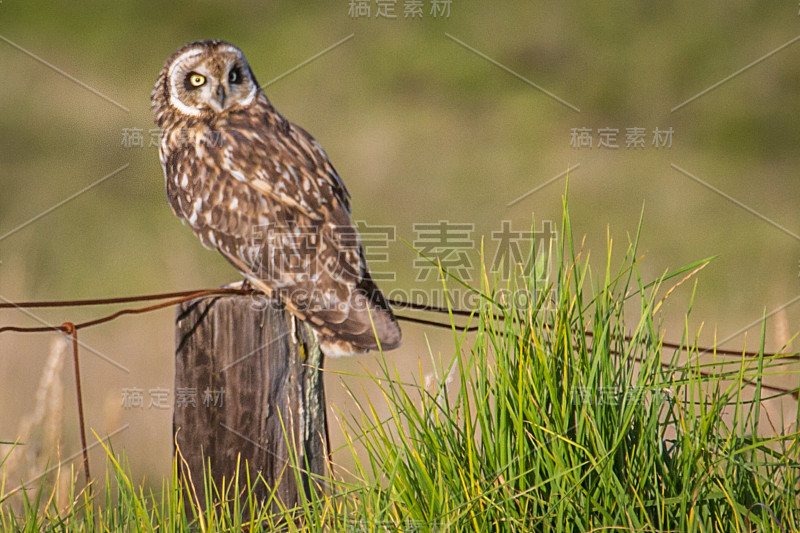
(263, 192)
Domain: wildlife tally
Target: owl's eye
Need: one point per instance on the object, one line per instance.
(196, 80)
(235, 76)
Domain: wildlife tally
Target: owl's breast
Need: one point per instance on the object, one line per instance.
(220, 207)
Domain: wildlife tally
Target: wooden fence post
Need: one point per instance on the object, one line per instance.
(245, 380)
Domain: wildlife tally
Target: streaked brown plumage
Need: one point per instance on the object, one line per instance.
(263, 192)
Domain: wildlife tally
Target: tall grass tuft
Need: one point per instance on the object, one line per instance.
(539, 425)
(562, 412)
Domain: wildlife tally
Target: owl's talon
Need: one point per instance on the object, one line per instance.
(243, 285)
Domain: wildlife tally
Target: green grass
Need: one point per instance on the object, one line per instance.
(533, 425)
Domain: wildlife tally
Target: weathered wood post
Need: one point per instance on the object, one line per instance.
(248, 388)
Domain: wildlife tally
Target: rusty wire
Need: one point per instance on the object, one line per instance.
(664, 344)
(182, 296)
(72, 331)
(175, 298)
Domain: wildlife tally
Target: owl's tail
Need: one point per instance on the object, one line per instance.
(366, 323)
(369, 324)
(351, 324)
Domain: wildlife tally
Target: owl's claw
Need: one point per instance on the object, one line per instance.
(243, 285)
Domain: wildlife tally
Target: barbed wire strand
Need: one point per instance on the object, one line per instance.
(175, 298)
(781, 390)
(665, 344)
(71, 329)
(182, 296)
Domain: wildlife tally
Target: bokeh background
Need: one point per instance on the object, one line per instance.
(436, 118)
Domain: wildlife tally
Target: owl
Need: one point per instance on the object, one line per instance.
(262, 191)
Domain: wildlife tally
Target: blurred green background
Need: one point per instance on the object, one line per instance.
(422, 128)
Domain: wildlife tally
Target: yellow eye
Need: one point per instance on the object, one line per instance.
(197, 80)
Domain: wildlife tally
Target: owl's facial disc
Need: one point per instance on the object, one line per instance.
(204, 82)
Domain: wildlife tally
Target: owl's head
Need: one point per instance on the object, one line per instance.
(203, 79)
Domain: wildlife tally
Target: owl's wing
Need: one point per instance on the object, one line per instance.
(274, 206)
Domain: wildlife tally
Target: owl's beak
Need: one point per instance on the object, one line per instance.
(221, 96)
